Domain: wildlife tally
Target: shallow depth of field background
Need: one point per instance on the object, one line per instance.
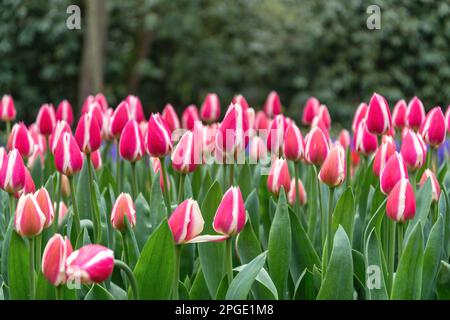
(177, 51)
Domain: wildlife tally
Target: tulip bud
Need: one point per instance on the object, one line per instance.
(275, 138)
(136, 109)
(91, 263)
(279, 176)
(46, 119)
(185, 156)
(131, 146)
(106, 128)
(310, 110)
(447, 118)
(101, 100)
(96, 158)
(170, 116)
(240, 99)
(60, 128)
(332, 172)
(316, 147)
(230, 215)
(62, 212)
(7, 109)
(293, 143)
(119, 119)
(393, 172)
(261, 121)
(29, 184)
(292, 197)
(344, 138)
(29, 219)
(257, 149)
(272, 106)
(46, 205)
(433, 130)
(399, 114)
(378, 117)
(210, 109)
(20, 139)
(365, 142)
(12, 173)
(124, 207)
(97, 112)
(40, 142)
(189, 117)
(401, 203)
(360, 114)
(324, 115)
(435, 187)
(88, 134)
(384, 152)
(231, 135)
(64, 112)
(54, 259)
(158, 141)
(415, 114)
(68, 157)
(186, 222)
(413, 150)
(156, 166)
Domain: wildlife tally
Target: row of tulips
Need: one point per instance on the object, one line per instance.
(128, 208)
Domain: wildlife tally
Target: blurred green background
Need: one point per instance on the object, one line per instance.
(177, 51)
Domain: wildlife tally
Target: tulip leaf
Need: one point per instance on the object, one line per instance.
(37, 173)
(206, 184)
(117, 292)
(263, 288)
(97, 292)
(196, 183)
(375, 283)
(156, 204)
(344, 213)
(221, 293)
(199, 289)
(279, 246)
(252, 206)
(155, 268)
(432, 257)
(83, 197)
(408, 279)
(443, 282)
(183, 292)
(248, 246)
(5, 247)
(188, 192)
(304, 288)
(44, 289)
(242, 283)
(245, 181)
(144, 224)
(18, 268)
(338, 282)
(423, 201)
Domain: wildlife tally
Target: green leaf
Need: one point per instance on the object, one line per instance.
(242, 283)
(97, 292)
(83, 197)
(156, 204)
(44, 289)
(18, 268)
(279, 246)
(423, 200)
(252, 206)
(144, 226)
(222, 290)
(344, 213)
(248, 246)
(199, 290)
(155, 268)
(338, 282)
(375, 276)
(408, 279)
(443, 282)
(263, 288)
(305, 289)
(245, 181)
(117, 292)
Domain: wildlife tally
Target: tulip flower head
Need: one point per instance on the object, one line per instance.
(7, 109)
(365, 142)
(12, 173)
(435, 187)
(136, 110)
(189, 117)
(45, 203)
(447, 118)
(68, 157)
(279, 177)
(433, 130)
(399, 114)
(123, 208)
(230, 215)
(170, 116)
(88, 134)
(344, 138)
(415, 114)
(46, 119)
(275, 137)
(360, 114)
(292, 197)
(56, 251)
(20, 139)
(261, 121)
(158, 142)
(257, 149)
(185, 156)
(293, 143)
(316, 146)
(393, 172)
(120, 118)
(272, 106)
(378, 118)
(240, 99)
(64, 112)
(131, 146)
(401, 203)
(29, 185)
(413, 150)
(333, 170)
(384, 152)
(29, 220)
(310, 110)
(210, 109)
(61, 127)
(324, 115)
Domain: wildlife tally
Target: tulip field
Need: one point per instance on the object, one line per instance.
(220, 203)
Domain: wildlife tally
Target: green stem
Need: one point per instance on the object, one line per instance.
(322, 214)
(181, 188)
(126, 257)
(31, 261)
(76, 216)
(297, 190)
(166, 186)
(59, 293)
(231, 174)
(118, 166)
(12, 204)
(329, 226)
(58, 199)
(229, 260)
(8, 129)
(412, 177)
(400, 240)
(391, 252)
(224, 176)
(94, 204)
(132, 280)
(134, 185)
(38, 248)
(176, 279)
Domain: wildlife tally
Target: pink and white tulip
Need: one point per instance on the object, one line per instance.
(29, 220)
(7, 109)
(293, 147)
(316, 147)
(279, 177)
(401, 203)
(272, 106)
(20, 139)
(435, 187)
(434, 129)
(158, 142)
(189, 117)
(12, 173)
(131, 145)
(393, 172)
(123, 208)
(384, 152)
(378, 118)
(56, 251)
(64, 112)
(310, 110)
(333, 170)
(210, 109)
(415, 114)
(88, 134)
(230, 215)
(413, 150)
(68, 157)
(46, 119)
(399, 114)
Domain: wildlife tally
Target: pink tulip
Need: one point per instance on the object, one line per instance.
(293, 148)
(131, 146)
(251, 116)
(401, 203)
(136, 109)
(279, 177)
(189, 117)
(45, 203)
(272, 106)
(261, 121)
(399, 114)
(88, 134)
(360, 114)
(324, 115)
(210, 109)
(447, 118)
(12, 173)
(393, 172)
(97, 111)
(231, 135)
(63, 210)
(240, 99)
(310, 110)
(170, 116)
(96, 158)
(384, 152)
(20, 139)
(378, 118)
(292, 197)
(344, 138)
(257, 149)
(29, 185)
(29, 219)
(415, 114)
(158, 142)
(61, 127)
(318, 122)
(46, 119)
(123, 207)
(68, 157)
(156, 166)
(413, 150)
(106, 128)
(40, 141)
(56, 251)
(275, 138)
(7, 109)
(316, 147)
(185, 156)
(120, 118)
(64, 112)
(333, 170)
(230, 215)
(433, 130)
(435, 187)
(365, 142)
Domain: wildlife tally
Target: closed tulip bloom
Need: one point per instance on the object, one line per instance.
(292, 197)
(230, 215)
(415, 114)
(401, 203)
(96, 158)
(251, 116)
(56, 251)
(433, 129)
(131, 146)
(46, 119)
(20, 139)
(29, 184)
(293, 143)
(156, 166)
(435, 187)
(106, 128)
(68, 157)
(119, 119)
(101, 100)
(185, 155)
(378, 116)
(344, 138)
(62, 212)
(210, 109)
(384, 152)
(3, 157)
(413, 150)
(64, 112)
(279, 176)
(360, 114)
(91, 263)
(310, 110)
(40, 141)
(7, 109)
(257, 149)
(324, 115)
(272, 106)
(393, 172)
(88, 134)
(447, 118)
(45, 203)
(399, 114)
(332, 172)
(61, 127)
(231, 135)
(158, 141)
(170, 116)
(136, 109)
(12, 173)
(189, 117)
(124, 207)
(275, 137)
(261, 121)
(86, 103)
(97, 111)
(365, 142)
(29, 219)
(186, 222)
(316, 147)
(240, 99)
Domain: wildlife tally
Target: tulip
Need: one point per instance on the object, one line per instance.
(332, 173)
(435, 187)
(401, 203)
(37, 155)
(257, 149)
(88, 134)
(378, 118)
(29, 220)
(131, 145)
(40, 141)
(344, 138)
(20, 139)
(158, 141)
(210, 109)
(189, 117)
(123, 207)
(272, 106)
(399, 114)
(433, 130)
(185, 156)
(360, 114)
(62, 209)
(45, 203)
(91, 263)
(310, 110)
(292, 196)
(251, 116)
(447, 118)
(324, 115)
(384, 152)
(279, 177)
(393, 172)
(29, 184)
(61, 127)
(106, 128)
(97, 112)
(136, 109)
(46, 119)
(316, 146)
(156, 166)
(101, 100)
(119, 119)
(275, 138)
(240, 99)
(293, 143)
(413, 150)
(96, 159)
(56, 251)
(318, 122)
(261, 121)
(415, 114)
(365, 142)
(170, 116)
(12, 173)
(64, 112)
(68, 157)
(7, 109)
